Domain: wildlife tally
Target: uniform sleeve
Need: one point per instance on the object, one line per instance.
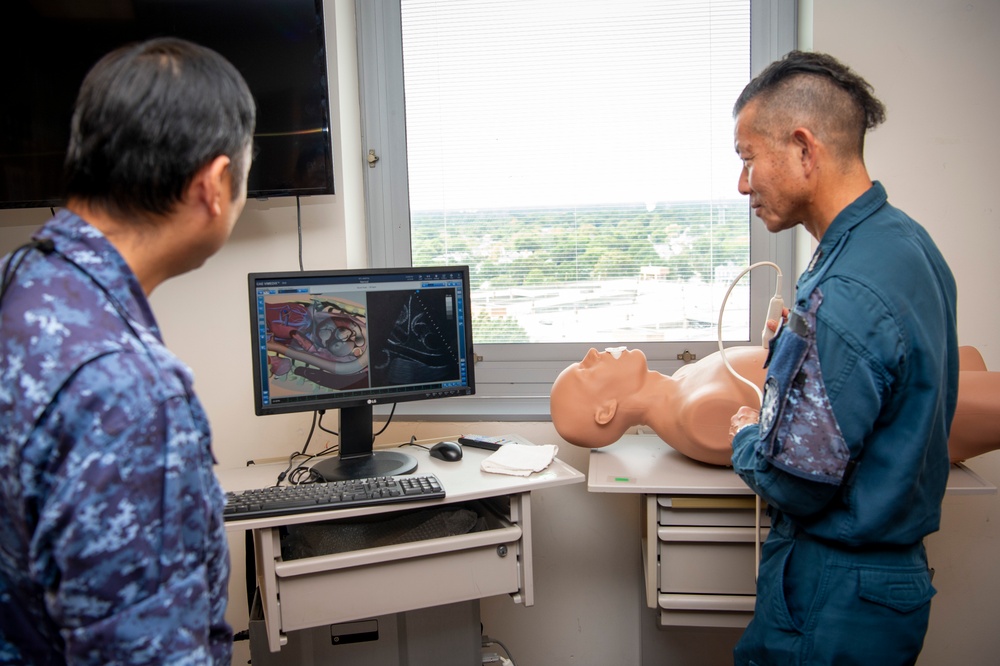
(125, 540)
(854, 335)
(786, 492)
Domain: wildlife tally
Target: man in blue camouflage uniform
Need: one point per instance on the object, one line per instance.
(112, 546)
(851, 448)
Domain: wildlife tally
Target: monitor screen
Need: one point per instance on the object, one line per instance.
(352, 339)
(47, 46)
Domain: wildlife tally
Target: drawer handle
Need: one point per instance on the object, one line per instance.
(712, 502)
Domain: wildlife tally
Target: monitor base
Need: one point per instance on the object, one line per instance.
(378, 463)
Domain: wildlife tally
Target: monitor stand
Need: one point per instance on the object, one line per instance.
(357, 459)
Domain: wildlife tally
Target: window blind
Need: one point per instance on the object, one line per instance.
(578, 156)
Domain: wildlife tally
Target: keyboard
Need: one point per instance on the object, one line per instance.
(284, 500)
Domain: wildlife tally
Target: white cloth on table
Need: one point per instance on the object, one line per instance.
(520, 459)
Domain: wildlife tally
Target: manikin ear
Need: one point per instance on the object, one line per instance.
(211, 184)
(606, 411)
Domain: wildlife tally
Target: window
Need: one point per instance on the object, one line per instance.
(578, 156)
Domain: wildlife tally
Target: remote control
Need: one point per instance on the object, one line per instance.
(482, 442)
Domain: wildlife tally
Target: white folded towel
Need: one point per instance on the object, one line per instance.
(520, 459)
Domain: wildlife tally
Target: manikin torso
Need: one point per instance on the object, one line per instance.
(692, 409)
(700, 399)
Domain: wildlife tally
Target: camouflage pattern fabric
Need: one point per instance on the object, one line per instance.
(112, 545)
(798, 430)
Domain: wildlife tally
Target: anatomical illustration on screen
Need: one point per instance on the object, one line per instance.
(315, 345)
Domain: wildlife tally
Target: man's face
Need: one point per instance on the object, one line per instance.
(238, 199)
(772, 173)
(232, 203)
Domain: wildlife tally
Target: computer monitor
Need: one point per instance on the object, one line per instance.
(352, 339)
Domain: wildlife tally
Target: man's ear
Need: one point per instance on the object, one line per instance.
(606, 411)
(805, 143)
(211, 184)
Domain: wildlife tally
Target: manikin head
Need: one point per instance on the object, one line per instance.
(588, 399)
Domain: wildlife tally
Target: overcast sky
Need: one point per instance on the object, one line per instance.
(549, 102)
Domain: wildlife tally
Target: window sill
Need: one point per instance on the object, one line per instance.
(470, 408)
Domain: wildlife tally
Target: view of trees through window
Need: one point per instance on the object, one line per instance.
(619, 273)
(579, 158)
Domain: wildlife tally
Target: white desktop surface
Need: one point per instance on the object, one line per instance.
(647, 464)
(436, 571)
(463, 481)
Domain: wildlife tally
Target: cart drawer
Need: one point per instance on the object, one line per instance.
(705, 610)
(327, 589)
(707, 560)
(727, 511)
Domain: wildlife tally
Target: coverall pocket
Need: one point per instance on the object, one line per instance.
(775, 568)
(903, 591)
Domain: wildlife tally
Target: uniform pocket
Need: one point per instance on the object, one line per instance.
(903, 591)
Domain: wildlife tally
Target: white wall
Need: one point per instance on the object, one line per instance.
(929, 60)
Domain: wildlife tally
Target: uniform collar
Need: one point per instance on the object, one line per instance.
(854, 214)
(88, 248)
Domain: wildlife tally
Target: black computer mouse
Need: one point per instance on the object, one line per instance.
(448, 451)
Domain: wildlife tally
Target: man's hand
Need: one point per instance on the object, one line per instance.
(744, 417)
(772, 324)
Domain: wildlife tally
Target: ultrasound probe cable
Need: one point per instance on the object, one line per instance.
(775, 309)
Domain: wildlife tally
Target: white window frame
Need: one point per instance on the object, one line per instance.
(513, 380)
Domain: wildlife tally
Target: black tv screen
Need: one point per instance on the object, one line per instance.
(47, 46)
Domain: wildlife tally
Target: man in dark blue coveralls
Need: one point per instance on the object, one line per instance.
(850, 446)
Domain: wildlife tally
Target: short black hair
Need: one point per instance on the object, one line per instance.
(821, 87)
(150, 115)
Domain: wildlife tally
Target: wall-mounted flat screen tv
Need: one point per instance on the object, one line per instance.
(47, 46)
